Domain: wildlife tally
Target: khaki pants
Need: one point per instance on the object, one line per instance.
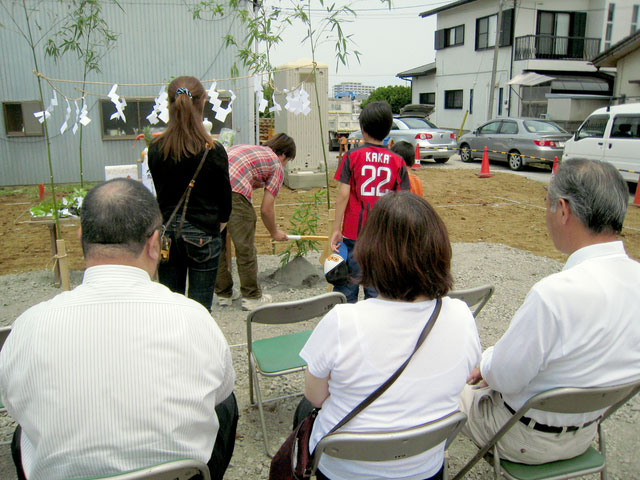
(242, 230)
(487, 414)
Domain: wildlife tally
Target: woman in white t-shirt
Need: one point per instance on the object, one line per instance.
(404, 252)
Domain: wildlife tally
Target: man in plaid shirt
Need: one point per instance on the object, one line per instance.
(251, 167)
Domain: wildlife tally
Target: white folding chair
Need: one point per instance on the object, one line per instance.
(278, 355)
(4, 333)
(383, 446)
(181, 469)
(476, 298)
(560, 400)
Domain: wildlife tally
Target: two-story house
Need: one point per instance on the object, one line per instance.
(542, 67)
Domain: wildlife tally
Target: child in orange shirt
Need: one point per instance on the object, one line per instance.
(406, 151)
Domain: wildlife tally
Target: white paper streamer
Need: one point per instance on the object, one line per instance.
(257, 86)
(276, 106)
(75, 125)
(49, 110)
(221, 113)
(84, 118)
(119, 103)
(160, 108)
(67, 116)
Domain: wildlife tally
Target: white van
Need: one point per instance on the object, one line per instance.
(610, 134)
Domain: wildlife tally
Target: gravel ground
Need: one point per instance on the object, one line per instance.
(511, 271)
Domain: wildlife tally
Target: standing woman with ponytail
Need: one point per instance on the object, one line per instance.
(174, 158)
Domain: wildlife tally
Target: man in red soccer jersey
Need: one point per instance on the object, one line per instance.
(365, 174)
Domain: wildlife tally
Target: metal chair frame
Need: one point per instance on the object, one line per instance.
(476, 298)
(563, 400)
(279, 314)
(382, 446)
(181, 469)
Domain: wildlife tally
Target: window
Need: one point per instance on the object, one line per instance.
(500, 98)
(491, 127)
(470, 101)
(609, 30)
(486, 30)
(453, 99)
(449, 37)
(19, 120)
(136, 113)
(626, 126)
(634, 18)
(428, 98)
(560, 34)
(593, 127)
(509, 128)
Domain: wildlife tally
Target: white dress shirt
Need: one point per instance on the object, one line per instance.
(359, 346)
(576, 328)
(118, 374)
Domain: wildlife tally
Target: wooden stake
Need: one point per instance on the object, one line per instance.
(61, 258)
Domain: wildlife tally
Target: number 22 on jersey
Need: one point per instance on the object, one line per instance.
(375, 179)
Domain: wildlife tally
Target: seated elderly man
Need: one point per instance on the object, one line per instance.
(576, 328)
(119, 373)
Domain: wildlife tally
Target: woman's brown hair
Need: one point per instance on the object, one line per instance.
(404, 249)
(185, 135)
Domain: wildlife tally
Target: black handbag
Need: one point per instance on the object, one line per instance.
(165, 240)
(293, 460)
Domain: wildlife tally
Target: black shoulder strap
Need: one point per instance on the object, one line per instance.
(186, 195)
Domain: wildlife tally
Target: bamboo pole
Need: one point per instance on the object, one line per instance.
(61, 258)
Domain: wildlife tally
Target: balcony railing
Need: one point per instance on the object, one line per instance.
(550, 47)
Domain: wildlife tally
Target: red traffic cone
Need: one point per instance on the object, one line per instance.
(555, 165)
(484, 169)
(636, 199)
(416, 165)
(41, 191)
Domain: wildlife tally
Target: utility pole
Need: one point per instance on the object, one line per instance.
(492, 85)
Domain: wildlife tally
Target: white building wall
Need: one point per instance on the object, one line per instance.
(628, 70)
(423, 84)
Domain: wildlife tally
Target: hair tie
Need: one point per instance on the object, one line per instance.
(182, 90)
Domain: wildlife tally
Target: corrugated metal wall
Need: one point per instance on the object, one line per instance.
(157, 41)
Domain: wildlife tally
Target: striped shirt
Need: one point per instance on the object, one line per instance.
(118, 374)
(253, 166)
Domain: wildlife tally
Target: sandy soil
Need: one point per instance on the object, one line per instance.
(503, 209)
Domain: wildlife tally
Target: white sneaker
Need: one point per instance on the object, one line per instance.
(249, 304)
(228, 301)
(225, 301)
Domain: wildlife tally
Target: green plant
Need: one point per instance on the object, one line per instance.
(68, 205)
(396, 95)
(304, 221)
(85, 32)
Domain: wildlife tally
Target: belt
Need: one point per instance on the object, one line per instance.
(541, 427)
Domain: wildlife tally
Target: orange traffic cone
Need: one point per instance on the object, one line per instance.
(636, 199)
(484, 169)
(555, 165)
(416, 165)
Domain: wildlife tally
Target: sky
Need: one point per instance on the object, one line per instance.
(390, 41)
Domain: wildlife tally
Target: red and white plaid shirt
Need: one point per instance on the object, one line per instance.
(254, 166)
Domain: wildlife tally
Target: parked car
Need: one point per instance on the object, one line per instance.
(610, 134)
(515, 140)
(436, 143)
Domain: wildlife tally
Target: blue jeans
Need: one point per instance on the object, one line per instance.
(197, 254)
(350, 290)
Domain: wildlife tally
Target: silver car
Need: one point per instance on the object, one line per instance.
(519, 141)
(436, 143)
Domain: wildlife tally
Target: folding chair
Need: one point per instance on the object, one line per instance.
(4, 333)
(560, 400)
(476, 298)
(278, 355)
(383, 446)
(182, 469)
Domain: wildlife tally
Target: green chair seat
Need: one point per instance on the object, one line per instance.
(280, 353)
(589, 460)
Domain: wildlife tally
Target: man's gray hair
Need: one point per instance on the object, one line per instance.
(117, 218)
(596, 192)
